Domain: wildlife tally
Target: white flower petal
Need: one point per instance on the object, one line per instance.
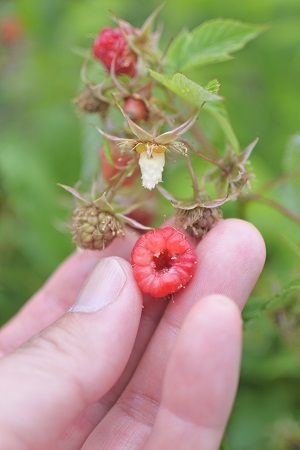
(152, 168)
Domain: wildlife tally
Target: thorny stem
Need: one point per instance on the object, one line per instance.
(199, 135)
(147, 87)
(206, 158)
(278, 180)
(114, 78)
(197, 132)
(201, 138)
(193, 177)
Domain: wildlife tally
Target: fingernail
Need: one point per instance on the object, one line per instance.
(102, 288)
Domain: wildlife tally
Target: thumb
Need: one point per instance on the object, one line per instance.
(46, 383)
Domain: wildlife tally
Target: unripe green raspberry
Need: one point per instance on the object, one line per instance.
(93, 228)
(198, 221)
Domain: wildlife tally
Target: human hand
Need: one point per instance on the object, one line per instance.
(111, 374)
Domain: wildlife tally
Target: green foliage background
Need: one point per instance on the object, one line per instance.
(41, 144)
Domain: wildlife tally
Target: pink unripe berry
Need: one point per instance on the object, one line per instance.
(135, 109)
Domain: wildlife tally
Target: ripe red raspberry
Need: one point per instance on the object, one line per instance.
(163, 261)
(110, 45)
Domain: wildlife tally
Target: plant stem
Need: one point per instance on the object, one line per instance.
(273, 204)
(193, 177)
(278, 180)
(206, 158)
(117, 182)
(199, 135)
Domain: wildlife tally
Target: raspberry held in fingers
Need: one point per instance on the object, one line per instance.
(163, 261)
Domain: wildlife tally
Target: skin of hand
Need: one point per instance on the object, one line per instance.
(121, 371)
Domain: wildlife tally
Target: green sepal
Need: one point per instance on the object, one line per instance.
(107, 151)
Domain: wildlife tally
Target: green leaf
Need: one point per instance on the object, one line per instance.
(187, 89)
(211, 42)
(219, 112)
(256, 306)
(213, 86)
(224, 446)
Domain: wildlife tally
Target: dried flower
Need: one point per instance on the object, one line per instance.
(235, 176)
(88, 102)
(198, 221)
(143, 41)
(196, 216)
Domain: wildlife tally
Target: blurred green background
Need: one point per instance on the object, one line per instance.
(41, 144)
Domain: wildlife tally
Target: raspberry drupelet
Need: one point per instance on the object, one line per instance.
(163, 262)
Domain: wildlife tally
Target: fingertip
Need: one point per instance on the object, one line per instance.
(221, 306)
(230, 259)
(243, 235)
(201, 377)
(131, 285)
(246, 231)
(215, 315)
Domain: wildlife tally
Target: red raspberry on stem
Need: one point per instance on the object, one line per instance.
(110, 45)
(163, 261)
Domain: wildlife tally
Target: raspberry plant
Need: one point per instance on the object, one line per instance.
(148, 116)
(262, 86)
